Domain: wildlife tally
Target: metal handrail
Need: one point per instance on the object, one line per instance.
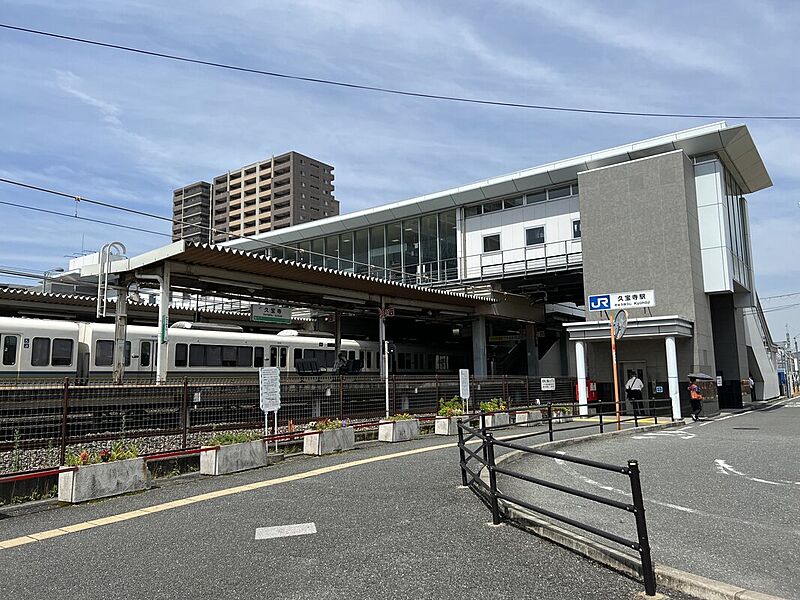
(485, 456)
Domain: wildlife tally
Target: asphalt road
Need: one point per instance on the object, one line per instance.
(400, 528)
(722, 496)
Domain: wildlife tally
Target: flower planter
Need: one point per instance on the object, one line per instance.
(498, 419)
(398, 431)
(562, 418)
(102, 480)
(328, 441)
(232, 458)
(446, 425)
(527, 418)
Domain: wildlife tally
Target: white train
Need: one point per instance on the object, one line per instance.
(39, 348)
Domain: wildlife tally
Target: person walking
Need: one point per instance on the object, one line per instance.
(695, 398)
(633, 391)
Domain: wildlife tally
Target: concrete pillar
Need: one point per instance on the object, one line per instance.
(162, 356)
(672, 377)
(479, 347)
(532, 349)
(580, 365)
(120, 333)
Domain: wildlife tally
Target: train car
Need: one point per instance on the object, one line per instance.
(38, 348)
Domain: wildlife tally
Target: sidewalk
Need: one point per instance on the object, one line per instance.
(396, 527)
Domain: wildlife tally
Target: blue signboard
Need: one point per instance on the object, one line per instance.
(600, 302)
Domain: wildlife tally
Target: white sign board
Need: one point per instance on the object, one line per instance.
(617, 300)
(463, 383)
(548, 384)
(269, 387)
(270, 313)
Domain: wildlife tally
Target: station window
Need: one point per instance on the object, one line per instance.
(471, 211)
(493, 206)
(534, 236)
(40, 352)
(10, 344)
(561, 192)
(512, 202)
(491, 243)
(534, 198)
(576, 229)
(62, 352)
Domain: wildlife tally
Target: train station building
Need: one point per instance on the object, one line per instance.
(503, 268)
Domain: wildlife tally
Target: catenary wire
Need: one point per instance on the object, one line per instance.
(262, 244)
(386, 90)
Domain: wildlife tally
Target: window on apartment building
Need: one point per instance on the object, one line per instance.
(534, 236)
(491, 243)
(576, 229)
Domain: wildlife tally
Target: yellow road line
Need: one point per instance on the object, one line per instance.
(135, 514)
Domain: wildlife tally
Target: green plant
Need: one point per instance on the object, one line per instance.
(119, 451)
(401, 417)
(324, 424)
(565, 409)
(451, 408)
(493, 405)
(227, 438)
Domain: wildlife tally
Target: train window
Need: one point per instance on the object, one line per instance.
(325, 358)
(229, 356)
(197, 355)
(351, 355)
(431, 362)
(181, 350)
(144, 354)
(417, 361)
(244, 356)
(298, 354)
(273, 356)
(62, 352)
(40, 352)
(442, 362)
(104, 353)
(284, 353)
(259, 360)
(10, 343)
(368, 361)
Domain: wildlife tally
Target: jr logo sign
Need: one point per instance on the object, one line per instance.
(600, 302)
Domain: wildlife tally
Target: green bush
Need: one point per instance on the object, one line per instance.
(118, 451)
(451, 408)
(493, 405)
(324, 424)
(401, 417)
(225, 439)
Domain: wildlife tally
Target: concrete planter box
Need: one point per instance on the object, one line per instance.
(103, 480)
(446, 425)
(527, 418)
(561, 418)
(329, 441)
(498, 419)
(235, 457)
(398, 431)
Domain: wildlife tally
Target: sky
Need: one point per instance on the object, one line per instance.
(127, 129)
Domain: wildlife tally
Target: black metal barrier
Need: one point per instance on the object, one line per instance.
(472, 462)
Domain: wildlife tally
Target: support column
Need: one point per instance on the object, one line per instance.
(120, 333)
(672, 377)
(381, 340)
(580, 365)
(337, 340)
(162, 357)
(532, 350)
(479, 347)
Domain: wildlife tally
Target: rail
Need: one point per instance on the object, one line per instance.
(473, 462)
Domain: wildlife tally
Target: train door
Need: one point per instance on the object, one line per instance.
(10, 355)
(146, 362)
(279, 357)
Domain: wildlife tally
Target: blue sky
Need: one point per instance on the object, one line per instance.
(127, 129)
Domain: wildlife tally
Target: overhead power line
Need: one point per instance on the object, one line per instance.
(780, 296)
(386, 90)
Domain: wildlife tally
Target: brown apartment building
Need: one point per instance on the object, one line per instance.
(275, 193)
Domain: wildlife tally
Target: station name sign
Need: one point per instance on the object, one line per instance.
(619, 300)
(270, 313)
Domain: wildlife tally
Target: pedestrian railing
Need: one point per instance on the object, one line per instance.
(480, 459)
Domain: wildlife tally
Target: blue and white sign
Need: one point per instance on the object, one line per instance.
(619, 300)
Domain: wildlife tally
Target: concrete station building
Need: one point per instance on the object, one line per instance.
(667, 214)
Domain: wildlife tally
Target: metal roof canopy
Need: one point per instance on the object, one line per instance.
(642, 328)
(216, 270)
(734, 145)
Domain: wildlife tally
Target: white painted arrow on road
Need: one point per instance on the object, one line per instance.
(725, 469)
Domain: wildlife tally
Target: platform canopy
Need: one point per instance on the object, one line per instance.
(227, 272)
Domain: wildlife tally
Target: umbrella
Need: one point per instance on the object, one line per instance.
(700, 376)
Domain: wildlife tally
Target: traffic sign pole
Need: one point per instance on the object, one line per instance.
(614, 368)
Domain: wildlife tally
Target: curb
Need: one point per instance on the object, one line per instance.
(668, 577)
